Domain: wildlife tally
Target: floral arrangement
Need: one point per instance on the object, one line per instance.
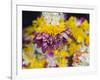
(53, 41)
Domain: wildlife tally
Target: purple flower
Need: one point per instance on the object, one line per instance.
(47, 42)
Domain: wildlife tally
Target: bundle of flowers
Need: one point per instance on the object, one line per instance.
(52, 41)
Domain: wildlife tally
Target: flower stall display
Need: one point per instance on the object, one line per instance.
(53, 41)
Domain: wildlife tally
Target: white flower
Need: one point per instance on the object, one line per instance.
(52, 17)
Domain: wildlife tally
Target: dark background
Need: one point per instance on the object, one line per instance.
(28, 16)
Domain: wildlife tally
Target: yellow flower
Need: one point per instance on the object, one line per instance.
(77, 32)
(87, 41)
(40, 21)
(71, 22)
(33, 63)
(85, 25)
(64, 53)
(69, 40)
(37, 63)
(42, 63)
(29, 30)
(62, 62)
(61, 53)
(73, 48)
(41, 26)
(56, 53)
(28, 53)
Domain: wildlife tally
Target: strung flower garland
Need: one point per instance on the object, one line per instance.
(56, 42)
